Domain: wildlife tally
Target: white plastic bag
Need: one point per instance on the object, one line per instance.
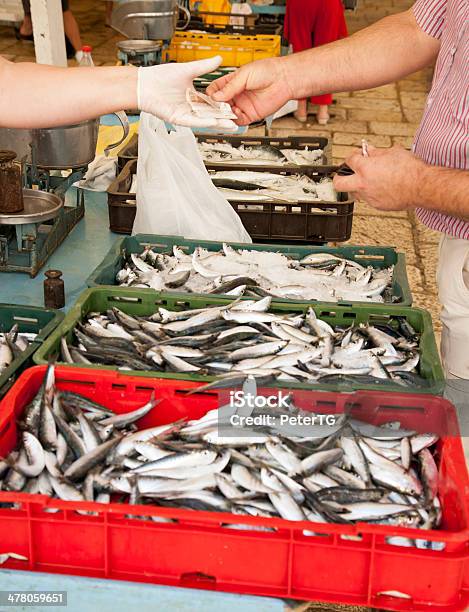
(175, 195)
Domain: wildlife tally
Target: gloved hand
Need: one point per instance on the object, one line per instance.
(162, 92)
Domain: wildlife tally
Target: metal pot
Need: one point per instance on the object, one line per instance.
(71, 146)
(146, 19)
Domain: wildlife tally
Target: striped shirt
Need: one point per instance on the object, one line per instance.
(443, 135)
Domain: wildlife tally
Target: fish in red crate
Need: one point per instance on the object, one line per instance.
(358, 485)
(75, 449)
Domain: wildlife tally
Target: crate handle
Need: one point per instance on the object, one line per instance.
(25, 319)
(82, 383)
(394, 408)
(369, 257)
(142, 388)
(196, 393)
(118, 387)
(198, 578)
(124, 298)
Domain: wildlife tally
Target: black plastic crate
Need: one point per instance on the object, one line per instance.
(130, 152)
(122, 205)
(304, 222)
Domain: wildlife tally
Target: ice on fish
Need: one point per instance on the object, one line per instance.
(291, 188)
(258, 155)
(320, 276)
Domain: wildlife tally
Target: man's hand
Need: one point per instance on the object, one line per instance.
(255, 90)
(388, 179)
(162, 92)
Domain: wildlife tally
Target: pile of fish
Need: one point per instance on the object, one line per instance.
(242, 338)
(259, 155)
(247, 185)
(76, 450)
(12, 344)
(318, 276)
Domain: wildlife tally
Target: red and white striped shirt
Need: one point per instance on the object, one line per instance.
(443, 136)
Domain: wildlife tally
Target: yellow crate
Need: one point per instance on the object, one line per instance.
(235, 49)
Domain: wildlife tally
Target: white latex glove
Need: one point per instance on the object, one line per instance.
(162, 92)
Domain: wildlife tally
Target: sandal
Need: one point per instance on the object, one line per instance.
(25, 37)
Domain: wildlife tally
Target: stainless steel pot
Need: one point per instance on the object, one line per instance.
(71, 146)
(145, 19)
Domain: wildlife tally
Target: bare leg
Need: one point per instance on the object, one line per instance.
(323, 114)
(26, 28)
(72, 30)
(302, 113)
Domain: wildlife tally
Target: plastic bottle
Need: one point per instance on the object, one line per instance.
(86, 59)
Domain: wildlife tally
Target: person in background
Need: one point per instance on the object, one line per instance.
(311, 23)
(72, 31)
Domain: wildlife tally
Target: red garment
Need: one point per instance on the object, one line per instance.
(311, 23)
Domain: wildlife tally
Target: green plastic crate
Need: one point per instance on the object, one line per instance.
(146, 303)
(30, 319)
(378, 257)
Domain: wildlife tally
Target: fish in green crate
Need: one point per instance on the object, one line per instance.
(245, 337)
(318, 276)
(12, 344)
(72, 448)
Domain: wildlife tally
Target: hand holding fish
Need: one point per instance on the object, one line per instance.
(167, 91)
(387, 179)
(255, 90)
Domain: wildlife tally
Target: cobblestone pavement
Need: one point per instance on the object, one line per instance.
(384, 116)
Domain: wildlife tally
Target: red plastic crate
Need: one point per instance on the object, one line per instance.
(197, 550)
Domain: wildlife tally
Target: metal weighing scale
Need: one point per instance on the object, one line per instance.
(149, 26)
(53, 160)
(140, 52)
(28, 238)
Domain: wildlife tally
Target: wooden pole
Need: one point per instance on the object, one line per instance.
(48, 28)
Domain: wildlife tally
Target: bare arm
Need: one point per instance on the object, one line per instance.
(45, 96)
(33, 95)
(445, 190)
(396, 179)
(388, 50)
(385, 51)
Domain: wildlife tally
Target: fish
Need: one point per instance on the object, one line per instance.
(12, 344)
(258, 155)
(248, 272)
(270, 186)
(346, 478)
(243, 338)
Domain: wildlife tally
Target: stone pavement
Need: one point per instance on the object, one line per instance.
(385, 116)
